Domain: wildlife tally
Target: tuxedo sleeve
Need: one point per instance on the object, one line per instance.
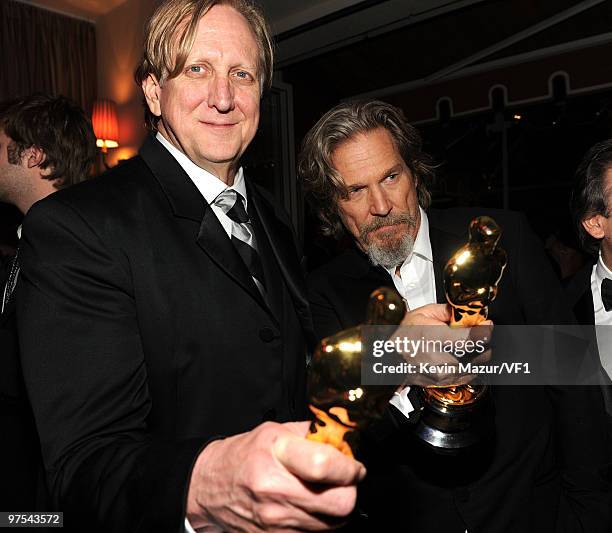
(86, 376)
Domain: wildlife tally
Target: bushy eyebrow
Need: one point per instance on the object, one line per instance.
(395, 169)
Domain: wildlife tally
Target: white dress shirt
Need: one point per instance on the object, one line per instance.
(602, 317)
(416, 284)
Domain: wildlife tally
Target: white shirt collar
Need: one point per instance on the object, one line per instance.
(422, 243)
(601, 270)
(208, 184)
(603, 318)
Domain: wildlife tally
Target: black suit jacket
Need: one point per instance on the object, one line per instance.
(144, 336)
(541, 470)
(580, 296)
(20, 459)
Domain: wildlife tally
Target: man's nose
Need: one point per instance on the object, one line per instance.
(221, 94)
(380, 204)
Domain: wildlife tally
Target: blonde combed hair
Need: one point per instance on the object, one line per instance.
(170, 34)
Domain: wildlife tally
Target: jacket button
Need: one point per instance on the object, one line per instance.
(269, 415)
(266, 334)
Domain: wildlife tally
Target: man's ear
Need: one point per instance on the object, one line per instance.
(594, 226)
(152, 93)
(34, 157)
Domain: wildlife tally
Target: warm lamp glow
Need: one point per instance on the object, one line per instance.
(104, 121)
(106, 143)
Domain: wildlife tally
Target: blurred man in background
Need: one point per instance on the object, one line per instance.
(46, 143)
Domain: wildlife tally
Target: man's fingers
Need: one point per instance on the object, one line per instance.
(299, 429)
(308, 513)
(434, 314)
(325, 480)
(330, 504)
(302, 521)
(439, 312)
(317, 463)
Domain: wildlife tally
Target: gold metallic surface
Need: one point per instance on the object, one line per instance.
(337, 397)
(473, 272)
(332, 431)
(471, 277)
(385, 307)
(455, 396)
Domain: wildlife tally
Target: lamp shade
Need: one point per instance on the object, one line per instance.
(104, 121)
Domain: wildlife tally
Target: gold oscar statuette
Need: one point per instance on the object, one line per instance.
(457, 417)
(338, 399)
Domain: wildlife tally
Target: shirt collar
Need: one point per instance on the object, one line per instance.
(208, 184)
(422, 243)
(601, 270)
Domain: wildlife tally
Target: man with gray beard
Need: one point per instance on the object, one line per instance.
(389, 253)
(365, 173)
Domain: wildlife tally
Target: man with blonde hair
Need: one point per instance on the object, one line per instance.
(166, 365)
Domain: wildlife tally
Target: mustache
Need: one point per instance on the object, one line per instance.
(389, 220)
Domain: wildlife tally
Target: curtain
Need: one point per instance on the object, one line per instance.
(42, 51)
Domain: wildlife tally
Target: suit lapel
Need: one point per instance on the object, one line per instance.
(579, 295)
(9, 310)
(380, 274)
(182, 194)
(443, 245)
(274, 290)
(10, 305)
(214, 241)
(187, 202)
(281, 242)
(583, 309)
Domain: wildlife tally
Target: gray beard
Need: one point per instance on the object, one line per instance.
(389, 253)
